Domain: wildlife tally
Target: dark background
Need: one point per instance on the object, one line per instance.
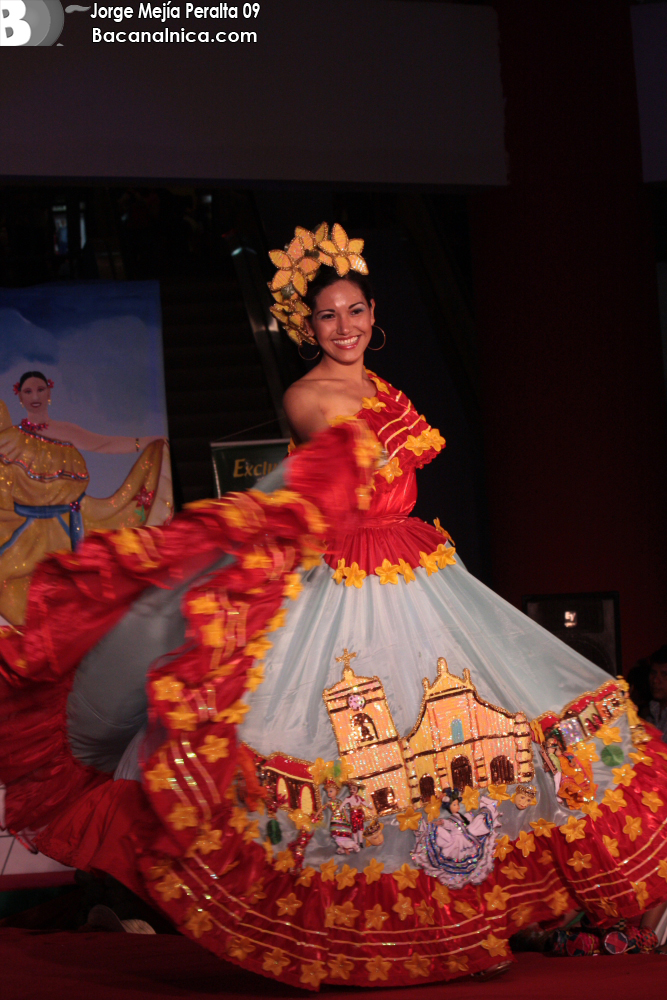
(550, 387)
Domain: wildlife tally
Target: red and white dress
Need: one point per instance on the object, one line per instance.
(345, 642)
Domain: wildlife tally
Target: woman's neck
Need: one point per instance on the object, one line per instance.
(354, 372)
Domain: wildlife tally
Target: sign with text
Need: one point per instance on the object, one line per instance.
(238, 465)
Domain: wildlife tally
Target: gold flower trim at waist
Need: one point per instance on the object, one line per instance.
(389, 572)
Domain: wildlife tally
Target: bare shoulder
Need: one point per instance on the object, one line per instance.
(300, 394)
(302, 404)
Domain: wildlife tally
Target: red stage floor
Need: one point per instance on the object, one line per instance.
(104, 966)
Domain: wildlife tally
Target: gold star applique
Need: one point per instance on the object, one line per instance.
(183, 717)
(465, 909)
(470, 798)
(255, 677)
(441, 895)
(288, 905)
(614, 799)
(418, 965)
(354, 577)
(403, 906)
(623, 775)
(578, 861)
(278, 620)
(275, 961)
(433, 807)
(586, 753)
(234, 715)
(542, 827)
(445, 556)
(609, 734)
(406, 571)
(514, 871)
(238, 819)
(340, 967)
(652, 801)
(312, 973)
(497, 898)
(633, 827)
(204, 605)
(284, 861)
(525, 842)
(375, 918)
(406, 877)
(377, 968)
(182, 816)
(457, 963)
(609, 907)
(328, 870)
(345, 877)
(170, 887)
(559, 902)
(258, 647)
(345, 914)
(641, 893)
(592, 810)
(373, 871)
(495, 946)
(207, 841)
(214, 748)
(392, 470)
(611, 845)
(408, 820)
(306, 877)
(429, 561)
(199, 922)
(167, 689)
(522, 914)
(573, 830)
(292, 590)
(161, 777)
(503, 847)
(425, 913)
(239, 948)
(387, 572)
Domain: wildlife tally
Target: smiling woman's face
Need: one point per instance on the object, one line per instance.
(342, 321)
(35, 396)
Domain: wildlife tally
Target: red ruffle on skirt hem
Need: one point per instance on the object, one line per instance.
(186, 841)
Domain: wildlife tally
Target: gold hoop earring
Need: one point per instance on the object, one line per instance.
(303, 356)
(376, 327)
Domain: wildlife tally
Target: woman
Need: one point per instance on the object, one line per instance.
(277, 662)
(43, 482)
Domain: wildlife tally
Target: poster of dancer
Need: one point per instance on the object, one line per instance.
(83, 446)
(83, 425)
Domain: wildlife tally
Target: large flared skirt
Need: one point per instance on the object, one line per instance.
(239, 702)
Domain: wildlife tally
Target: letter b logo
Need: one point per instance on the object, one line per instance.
(30, 22)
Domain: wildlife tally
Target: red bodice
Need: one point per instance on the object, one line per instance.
(388, 532)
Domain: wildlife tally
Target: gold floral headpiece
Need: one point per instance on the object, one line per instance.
(298, 264)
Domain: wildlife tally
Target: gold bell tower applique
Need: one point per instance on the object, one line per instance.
(458, 740)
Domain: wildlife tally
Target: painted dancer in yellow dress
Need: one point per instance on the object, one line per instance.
(43, 483)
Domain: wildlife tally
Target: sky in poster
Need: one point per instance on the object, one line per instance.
(101, 343)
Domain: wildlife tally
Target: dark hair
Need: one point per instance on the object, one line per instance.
(660, 655)
(27, 375)
(329, 276)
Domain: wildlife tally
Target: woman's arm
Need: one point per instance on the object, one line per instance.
(303, 411)
(104, 444)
